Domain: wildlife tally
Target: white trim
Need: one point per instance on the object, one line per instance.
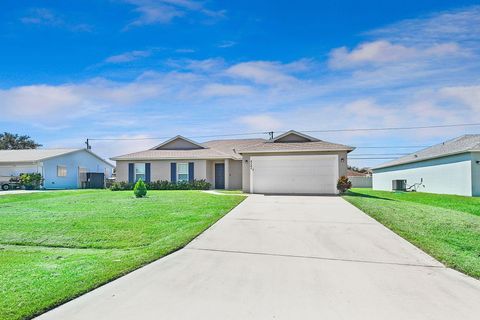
(178, 171)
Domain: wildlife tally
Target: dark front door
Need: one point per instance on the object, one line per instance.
(219, 176)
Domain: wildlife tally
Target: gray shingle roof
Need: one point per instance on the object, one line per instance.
(295, 147)
(232, 146)
(232, 149)
(215, 149)
(465, 143)
(32, 155)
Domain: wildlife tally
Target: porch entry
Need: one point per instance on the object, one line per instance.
(219, 176)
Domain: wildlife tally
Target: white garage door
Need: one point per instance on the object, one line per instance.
(312, 174)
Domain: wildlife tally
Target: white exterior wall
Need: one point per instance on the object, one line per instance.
(235, 175)
(476, 174)
(447, 175)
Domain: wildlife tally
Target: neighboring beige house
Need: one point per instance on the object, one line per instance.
(290, 163)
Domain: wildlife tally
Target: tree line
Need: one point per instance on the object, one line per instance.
(11, 141)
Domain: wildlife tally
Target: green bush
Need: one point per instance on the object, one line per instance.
(164, 185)
(121, 186)
(140, 189)
(343, 184)
(31, 181)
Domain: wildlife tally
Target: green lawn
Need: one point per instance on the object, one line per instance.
(55, 246)
(447, 227)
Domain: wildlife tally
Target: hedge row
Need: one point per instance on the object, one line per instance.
(164, 185)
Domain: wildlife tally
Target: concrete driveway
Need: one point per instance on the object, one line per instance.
(287, 257)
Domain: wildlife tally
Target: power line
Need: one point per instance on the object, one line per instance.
(306, 131)
(390, 147)
(271, 133)
(395, 128)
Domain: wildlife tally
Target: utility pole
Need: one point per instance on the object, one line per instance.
(89, 147)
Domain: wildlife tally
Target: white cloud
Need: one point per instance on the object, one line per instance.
(461, 24)
(164, 11)
(467, 95)
(382, 51)
(128, 56)
(226, 44)
(50, 103)
(262, 122)
(44, 16)
(264, 72)
(223, 90)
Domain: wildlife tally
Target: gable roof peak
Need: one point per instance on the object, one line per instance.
(302, 136)
(179, 137)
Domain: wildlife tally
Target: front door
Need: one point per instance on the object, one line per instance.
(219, 176)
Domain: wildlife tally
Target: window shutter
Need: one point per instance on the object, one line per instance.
(191, 171)
(131, 171)
(147, 172)
(173, 172)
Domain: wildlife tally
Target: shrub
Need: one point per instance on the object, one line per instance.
(140, 190)
(164, 185)
(343, 184)
(31, 180)
(121, 186)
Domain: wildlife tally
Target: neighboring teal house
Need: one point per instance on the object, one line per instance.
(451, 167)
(60, 168)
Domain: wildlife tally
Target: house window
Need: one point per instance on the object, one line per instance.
(182, 172)
(139, 171)
(61, 171)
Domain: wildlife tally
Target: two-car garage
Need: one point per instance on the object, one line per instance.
(294, 174)
(294, 163)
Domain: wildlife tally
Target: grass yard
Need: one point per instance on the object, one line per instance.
(54, 246)
(445, 226)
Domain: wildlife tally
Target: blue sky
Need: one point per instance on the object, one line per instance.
(155, 68)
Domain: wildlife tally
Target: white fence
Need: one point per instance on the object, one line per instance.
(360, 182)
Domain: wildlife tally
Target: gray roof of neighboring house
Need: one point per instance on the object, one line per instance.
(35, 155)
(215, 149)
(32, 155)
(318, 146)
(462, 144)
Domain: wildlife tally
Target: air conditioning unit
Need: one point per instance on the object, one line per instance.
(399, 185)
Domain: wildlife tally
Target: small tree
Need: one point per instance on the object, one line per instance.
(140, 190)
(343, 184)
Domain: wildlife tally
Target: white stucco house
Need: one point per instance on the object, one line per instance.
(451, 167)
(289, 163)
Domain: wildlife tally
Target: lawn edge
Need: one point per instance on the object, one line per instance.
(427, 252)
(43, 311)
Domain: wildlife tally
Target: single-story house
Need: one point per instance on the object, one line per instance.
(289, 163)
(451, 167)
(60, 168)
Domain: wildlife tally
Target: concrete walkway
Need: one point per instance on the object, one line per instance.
(287, 257)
